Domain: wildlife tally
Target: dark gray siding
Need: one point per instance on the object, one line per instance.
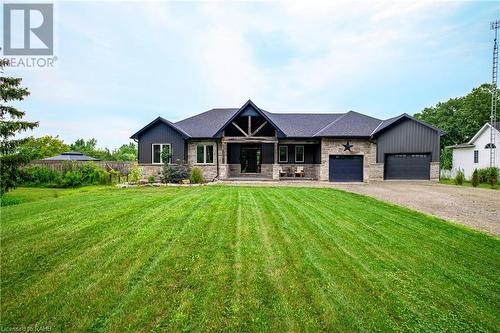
(408, 137)
(161, 133)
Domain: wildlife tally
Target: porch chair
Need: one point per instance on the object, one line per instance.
(299, 172)
(283, 173)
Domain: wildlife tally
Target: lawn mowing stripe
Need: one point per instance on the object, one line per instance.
(444, 295)
(201, 265)
(295, 233)
(107, 258)
(136, 280)
(192, 222)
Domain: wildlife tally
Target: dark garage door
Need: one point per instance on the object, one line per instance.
(407, 166)
(346, 168)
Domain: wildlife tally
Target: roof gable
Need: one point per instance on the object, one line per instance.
(162, 121)
(351, 124)
(480, 132)
(388, 123)
(250, 109)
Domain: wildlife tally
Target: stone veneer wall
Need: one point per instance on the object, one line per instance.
(209, 170)
(266, 171)
(335, 147)
(311, 171)
(435, 170)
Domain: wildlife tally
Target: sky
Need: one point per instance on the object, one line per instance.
(122, 64)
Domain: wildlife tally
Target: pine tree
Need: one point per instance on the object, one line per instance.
(10, 125)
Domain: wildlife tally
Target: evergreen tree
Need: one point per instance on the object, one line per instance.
(11, 123)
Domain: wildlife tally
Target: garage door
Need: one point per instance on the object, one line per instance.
(346, 168)
(407, 166)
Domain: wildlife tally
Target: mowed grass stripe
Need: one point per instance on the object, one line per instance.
(242, 259)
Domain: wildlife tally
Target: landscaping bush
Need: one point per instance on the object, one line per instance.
(135, 173)
(72, 175)
(39, 175)
(475, 178)
(196, 176)
(492, 176)
(72, 179)
(483, 175)
(175, 173)
(459, 178)
(151, 179)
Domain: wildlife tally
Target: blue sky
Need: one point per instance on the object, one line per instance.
(120, 65)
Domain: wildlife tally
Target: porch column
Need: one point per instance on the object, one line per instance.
(276, 167)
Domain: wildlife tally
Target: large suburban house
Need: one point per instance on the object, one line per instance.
(475, 154)
(251, 143)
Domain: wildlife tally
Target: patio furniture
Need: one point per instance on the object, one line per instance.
(299, 172)
(283, 173)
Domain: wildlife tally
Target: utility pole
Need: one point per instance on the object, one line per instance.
(494, 26)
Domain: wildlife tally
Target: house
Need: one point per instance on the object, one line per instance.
(71, 156)
(251, 143)
(475, 154)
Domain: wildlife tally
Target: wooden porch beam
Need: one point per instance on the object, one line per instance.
(259, 128)
(239, 128)
(250, 125)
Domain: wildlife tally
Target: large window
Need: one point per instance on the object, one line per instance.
(283, 154)
(476, 156)
(204, 154)
(161, 153)
(299, 154)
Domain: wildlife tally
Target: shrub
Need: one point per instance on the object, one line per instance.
(175, 173)
(196, 176)
(492, 176)
(93, 174)
(483, 175)
(72, 179)
(39, 175)
(151, 179)
(135, 173)
(475, 178)
(459, 178)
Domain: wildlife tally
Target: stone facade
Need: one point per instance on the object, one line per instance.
(311, 171)
(209, 169)
(335, 147)
(435, 169)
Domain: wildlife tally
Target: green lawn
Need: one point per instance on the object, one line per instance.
(222, 258)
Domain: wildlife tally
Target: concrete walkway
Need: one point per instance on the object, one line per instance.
(474, 207)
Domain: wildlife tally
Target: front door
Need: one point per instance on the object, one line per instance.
(251, 158)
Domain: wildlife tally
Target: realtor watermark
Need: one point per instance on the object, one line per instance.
(28, 328)
(28, 35)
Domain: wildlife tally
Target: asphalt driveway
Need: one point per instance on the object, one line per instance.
(474, 207)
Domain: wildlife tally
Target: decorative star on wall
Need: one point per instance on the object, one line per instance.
(347, 146)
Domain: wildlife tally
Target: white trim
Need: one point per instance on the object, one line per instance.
(303, 154)
(204, 154)
(279, 155)
(474, 138)
(161, 151)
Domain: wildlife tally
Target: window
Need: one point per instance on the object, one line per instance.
(489, 146)
(283, 154)
(204, 154)
(476, 156)
(161, 151)
(299, 154)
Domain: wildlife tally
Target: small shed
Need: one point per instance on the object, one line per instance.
(71, 156)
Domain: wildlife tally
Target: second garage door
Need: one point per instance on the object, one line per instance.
(407, 166)
(346, 168)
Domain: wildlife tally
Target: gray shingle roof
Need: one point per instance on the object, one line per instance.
(206, 124)
(302, 124)
(352, 124)
(71, 156)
